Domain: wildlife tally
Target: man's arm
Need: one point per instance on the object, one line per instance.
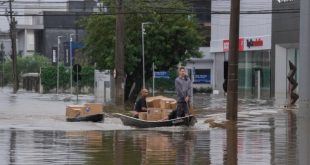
(189, 90)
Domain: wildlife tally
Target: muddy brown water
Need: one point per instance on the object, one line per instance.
(33, 131)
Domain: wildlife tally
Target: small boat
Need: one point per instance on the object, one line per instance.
(92, 118)
(135, 122)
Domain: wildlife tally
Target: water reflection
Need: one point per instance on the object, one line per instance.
(12, 147)
(231, 145)
(276, 144)
(303, 134)
(263, 135)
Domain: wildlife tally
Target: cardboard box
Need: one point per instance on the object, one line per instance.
(165, 113)
(156, 103)
(154, 114)
(93, 108)
(73, 111)
(164, 104)
(173, 105)
(149, 103)
(143, 115)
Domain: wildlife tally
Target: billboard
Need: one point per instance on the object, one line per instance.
(202, 76)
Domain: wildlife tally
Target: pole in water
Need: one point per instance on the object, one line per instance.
(77, 88)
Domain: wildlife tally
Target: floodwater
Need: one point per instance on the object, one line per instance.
(33, 131)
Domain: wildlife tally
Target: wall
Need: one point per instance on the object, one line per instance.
(285, 34)
(280, 69)
(251, 25)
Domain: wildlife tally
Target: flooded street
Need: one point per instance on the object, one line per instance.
(33, 130)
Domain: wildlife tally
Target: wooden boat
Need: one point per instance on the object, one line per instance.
(87, 112)
(135, 122)
(92, 118)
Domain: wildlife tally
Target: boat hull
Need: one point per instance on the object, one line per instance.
(134, 122)
(92, 118)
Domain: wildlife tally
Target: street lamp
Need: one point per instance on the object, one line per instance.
(58, 54)
(71, 53)
(143, 65)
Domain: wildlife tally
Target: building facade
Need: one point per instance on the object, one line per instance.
(201, 69)
(254, 46)
(285, 44)
(38, 30)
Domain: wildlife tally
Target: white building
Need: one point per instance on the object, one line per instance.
(203, 69)
(30, 20)
(254, 46)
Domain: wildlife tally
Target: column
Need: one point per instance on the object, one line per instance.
(303, 131)
(25, 42)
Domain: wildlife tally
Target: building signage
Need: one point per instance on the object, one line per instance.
(254, 42)
(202, 76)
(66, 56)
(54, 56)
(162, 74)
(226, 45)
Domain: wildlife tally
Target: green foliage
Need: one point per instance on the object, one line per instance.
(165, 84)
(32, 63)
(87, 74)
(49, 77)
(169, 38)
(28, 64)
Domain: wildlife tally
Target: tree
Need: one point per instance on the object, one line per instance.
(28, 64)
(171, 38)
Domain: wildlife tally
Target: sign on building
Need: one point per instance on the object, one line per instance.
(67, 56)
(162, 74)
(202, 76)
(54, 55)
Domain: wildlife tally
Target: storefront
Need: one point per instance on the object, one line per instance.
(254, 66)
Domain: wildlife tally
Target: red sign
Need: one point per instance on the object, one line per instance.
(226, 45)
(254, 43)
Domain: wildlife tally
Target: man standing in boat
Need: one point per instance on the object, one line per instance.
(183, 87)
(140, 105)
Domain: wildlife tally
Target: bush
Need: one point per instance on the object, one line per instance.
(49, 77)
(24, 65)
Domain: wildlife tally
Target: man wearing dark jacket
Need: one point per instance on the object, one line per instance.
(183, 87)
(140, 105)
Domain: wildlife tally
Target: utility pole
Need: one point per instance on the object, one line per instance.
(13, 56)
(2, 62)
(232, 86)
(119, 54)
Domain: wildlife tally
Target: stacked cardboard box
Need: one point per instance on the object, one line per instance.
(173, 105)
(165, 113)
(159, 107)
(154, 114)
(143, 115)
